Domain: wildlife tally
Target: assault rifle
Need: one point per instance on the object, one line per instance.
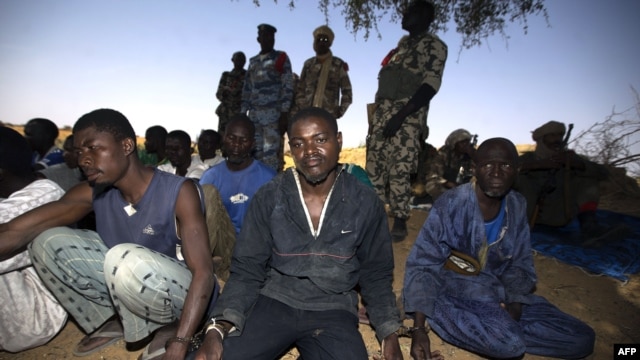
(464, 173)
(550, 184)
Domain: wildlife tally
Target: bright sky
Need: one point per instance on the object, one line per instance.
(159, 62)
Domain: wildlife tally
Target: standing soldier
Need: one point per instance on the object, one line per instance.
(410, 76)
(267, 96)
(324, 81)
(230, 90)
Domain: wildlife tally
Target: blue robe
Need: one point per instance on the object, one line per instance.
(465, 309)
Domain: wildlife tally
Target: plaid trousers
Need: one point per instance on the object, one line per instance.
(144, 288)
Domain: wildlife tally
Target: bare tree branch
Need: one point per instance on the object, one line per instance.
(612, 141)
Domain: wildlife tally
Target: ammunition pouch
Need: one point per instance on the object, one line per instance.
(396, 82)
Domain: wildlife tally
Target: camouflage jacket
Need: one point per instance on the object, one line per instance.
(337, 93)
(269, 82)
(451, 162)
(414, 62)
(230, 92)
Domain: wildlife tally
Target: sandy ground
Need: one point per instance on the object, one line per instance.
(609, 306)
(612, 308)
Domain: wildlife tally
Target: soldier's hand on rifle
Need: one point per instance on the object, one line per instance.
(470, 150)
(568, 158)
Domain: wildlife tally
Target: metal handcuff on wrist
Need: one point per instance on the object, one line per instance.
(221, 329)
(408, 331)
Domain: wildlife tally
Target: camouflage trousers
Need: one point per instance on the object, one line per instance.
(267, 137)
(390, 162)
(223, 120)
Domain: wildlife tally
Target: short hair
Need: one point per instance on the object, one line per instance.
(15, 152)
(244, 120)
(425, 8)
(46, 126)
(182, 136)
(107, 120)
(314, 112)
(212, 133)
(239, 53)
(508, 144)
(68, 139)
(158, 131)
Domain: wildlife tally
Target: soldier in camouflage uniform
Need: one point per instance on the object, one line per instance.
(448, 167)
(267, 96)
(410, 76)
(560, 186)
(230, 91)
(324, 81)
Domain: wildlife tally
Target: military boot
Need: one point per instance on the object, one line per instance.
(399, 229)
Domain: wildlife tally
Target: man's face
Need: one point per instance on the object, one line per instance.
(36, 136)
(321, 44)
(238, 61)
(462, 146)
(267, 40)
(178, 153)
(553, 141)
(495, 170)
(69, 154)
(207, 146)
(150, 143)
(315, 148)
(102, 159)
(237, 143)
(412, 19)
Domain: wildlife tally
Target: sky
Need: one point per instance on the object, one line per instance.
(159, 62)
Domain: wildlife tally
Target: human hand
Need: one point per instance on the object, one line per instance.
(469, 149)
(450, 184)
(391, 348)
(211, 348)
(175, 350)
(421, 347)
(514, 309)
(392, 127)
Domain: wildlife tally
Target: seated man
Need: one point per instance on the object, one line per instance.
(446, 168)
(30, 315)
(455, 156)
(310, 236)
(240, 176)
(209, 143)
(178, 150)
(41, 135)
(67, 174)
(560, 185)
(148, 268)
(470, 274)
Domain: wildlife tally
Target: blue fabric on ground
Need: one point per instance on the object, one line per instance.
(616, 259)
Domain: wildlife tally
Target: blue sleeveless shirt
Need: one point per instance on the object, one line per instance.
(153, 225)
